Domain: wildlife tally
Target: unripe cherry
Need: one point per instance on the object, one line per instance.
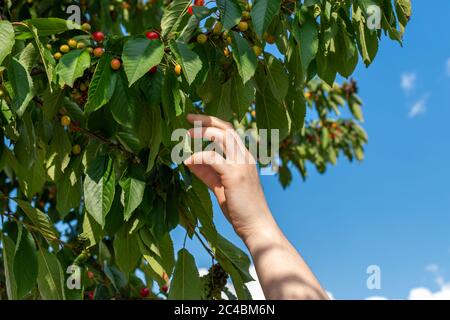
(65, 121)
(178, 70)
(116, 64)
(98, 52)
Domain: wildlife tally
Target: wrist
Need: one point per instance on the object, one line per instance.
(261, 233)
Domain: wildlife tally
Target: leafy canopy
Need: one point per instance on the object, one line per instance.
(86, 119)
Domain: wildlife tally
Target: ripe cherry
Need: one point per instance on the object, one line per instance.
(164, 288)
(190, 10)
(152, 35)
(91, 295)
(65, 121)
(153, 69)
(90, 275)
(98, 52)
(144, 292)
(199, 2)
(98, 36)
(116, 64)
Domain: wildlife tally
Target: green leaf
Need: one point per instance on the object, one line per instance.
(172, 16)
(161, 249)
(52, 102)
(277, 77)
(102, 85)
(126, 249)
(132, 194)
(139, 56)
(92, 231)
(117, 278)
(25, 263)
(241, 96)
(271, 114)
(72, 66)
(244, 57)
(58, 154)
(47, 59)
(186, 283)
(230, 12)
(8, 248)
(156, 138)
(124, 103)
(262, 14)
(307, 36)
(190, 62)
(6, 39)
(99, 188)
(69, 189)
(51, 26)
(22, 86)
(200, 205)
(40, 220)
(50, 277)
(226, 250)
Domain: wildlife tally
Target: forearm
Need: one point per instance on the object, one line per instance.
(282, 272)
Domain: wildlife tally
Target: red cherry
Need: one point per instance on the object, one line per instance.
(154, 69)
(164, 288)
(152, 35)
(144, 292)
(98, 36)
(190, 10)
(90, 275)
(199, 2)
(91, 295)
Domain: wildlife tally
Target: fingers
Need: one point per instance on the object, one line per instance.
(209, 121)
(224, 139)
(210, 177)
(211, 158)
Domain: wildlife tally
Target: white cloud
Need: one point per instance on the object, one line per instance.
(408, 82)
(422, 293)
(418, 108)
(376, 298)
(447, 67)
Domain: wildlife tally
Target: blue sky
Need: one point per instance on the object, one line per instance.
(393, 209)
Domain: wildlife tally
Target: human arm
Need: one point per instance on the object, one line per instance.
(234, 180)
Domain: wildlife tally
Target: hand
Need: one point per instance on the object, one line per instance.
(234, 179)
(282, 272)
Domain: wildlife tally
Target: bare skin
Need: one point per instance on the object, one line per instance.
(282, 272)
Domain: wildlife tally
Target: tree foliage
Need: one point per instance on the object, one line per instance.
(87, 112)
